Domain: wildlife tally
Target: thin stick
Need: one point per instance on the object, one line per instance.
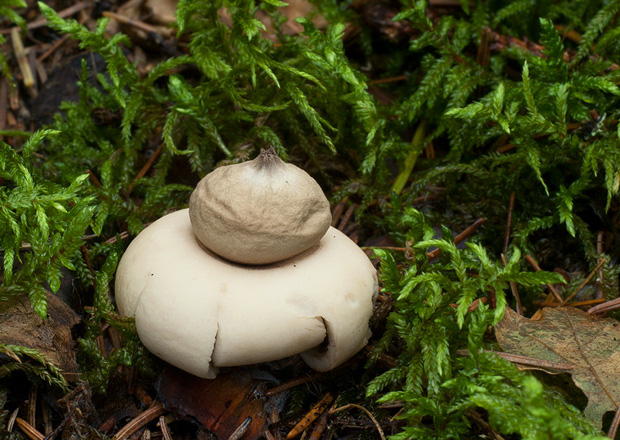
(28, 429)
(605, 307)
(387, 248)
(65, 420)
(346, 218)
(511, 205)
(484, 49)
(53, 48)
(513, 288)
(48, 429)
(14, 104)
(472, 414)
(145, 168)
(268, 435)
(11, 422)
(384, 359)
(134, 425)
(613, 429)
(459, 238)
(571, 34)
(163, 425)
(20, 54)
(32, 405)
(355, 405)
(311, 416)
(62, 14)
(4, 95)
(93, 179)
(89, 265)
(524, 360)
(444, 3)
(274, 418)
(586, 281)
(600, 249)
(241, 429)
(338, 210)
(131, 22)
(388, 80)
(291, 384)
(537, 269)
(41, 73)
(588, 302)
(319, 427)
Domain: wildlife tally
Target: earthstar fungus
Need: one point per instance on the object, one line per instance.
(199, 311)
(259, 212)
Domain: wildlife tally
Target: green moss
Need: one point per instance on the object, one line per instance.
(537, 121)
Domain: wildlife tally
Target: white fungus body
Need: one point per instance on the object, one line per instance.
(198, 311)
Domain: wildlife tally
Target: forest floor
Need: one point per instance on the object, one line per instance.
(281, 399)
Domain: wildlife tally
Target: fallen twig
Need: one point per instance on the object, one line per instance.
(4, 96)
(319, 427)
(586, 281)
(511, 205)
(459, 238)
(132, 22)
(354, 405)
(524, 360)
(20, 55)
(62, 14)
(163, 425)
(537, 268)
(28, 429)
(145, 168)
(291, 384)
(346, 217)
(145, 417)
(53, 48)
(388, 80)
(588, 302)
(338, 210)
(613, 429)
(514, 290)
(312, 415)
(241, 429)
(605, 307)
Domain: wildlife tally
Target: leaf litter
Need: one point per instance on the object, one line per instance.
(570, 336)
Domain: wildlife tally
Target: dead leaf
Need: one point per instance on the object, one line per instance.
(162, 11)
(51, 337)
(569, 335)
(220, 405)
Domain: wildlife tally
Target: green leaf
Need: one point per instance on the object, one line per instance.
(553, 49)
(38, 301)
(9, 258)
(497, 99)
(276, 3)
(527, 91)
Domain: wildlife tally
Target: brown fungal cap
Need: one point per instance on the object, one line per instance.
(259, 212)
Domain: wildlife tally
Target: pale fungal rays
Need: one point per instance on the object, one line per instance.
(312, 293)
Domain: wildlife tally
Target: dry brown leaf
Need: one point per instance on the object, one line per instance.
(51, 337)
(162, 11)
(569, 335)
(220, 405)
